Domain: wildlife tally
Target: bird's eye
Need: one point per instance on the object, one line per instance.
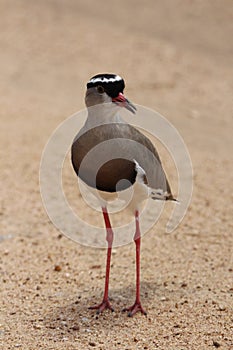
(100, 89)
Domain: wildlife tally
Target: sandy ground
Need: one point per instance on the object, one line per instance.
(176, 58)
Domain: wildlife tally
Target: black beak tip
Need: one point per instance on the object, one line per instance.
(132, 108)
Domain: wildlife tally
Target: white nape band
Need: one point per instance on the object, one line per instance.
(105, 80)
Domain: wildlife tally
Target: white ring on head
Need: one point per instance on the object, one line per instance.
(105, 80)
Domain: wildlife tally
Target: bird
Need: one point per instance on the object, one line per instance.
(138, 165)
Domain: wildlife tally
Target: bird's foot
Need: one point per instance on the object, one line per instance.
(102, 306)
(136, 307)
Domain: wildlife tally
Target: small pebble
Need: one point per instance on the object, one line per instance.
(91, 343)
(57, 268)
(95, 266)
(75, 328)
(216, 344)
(184, 284)
(37, 326)
(163, 299)
(222, 308)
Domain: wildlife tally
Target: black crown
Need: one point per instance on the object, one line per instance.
(113, 84)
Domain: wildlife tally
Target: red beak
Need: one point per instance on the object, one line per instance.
(122, 101)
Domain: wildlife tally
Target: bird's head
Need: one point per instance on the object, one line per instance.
(107, 88)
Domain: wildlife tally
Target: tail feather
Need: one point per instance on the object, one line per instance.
(159, 194)
(156, 194)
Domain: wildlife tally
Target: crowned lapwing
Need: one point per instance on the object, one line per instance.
(138, 165)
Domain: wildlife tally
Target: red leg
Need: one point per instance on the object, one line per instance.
(137, 239)
(109, 237)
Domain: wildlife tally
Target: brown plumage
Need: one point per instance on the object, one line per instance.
(114, 170)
